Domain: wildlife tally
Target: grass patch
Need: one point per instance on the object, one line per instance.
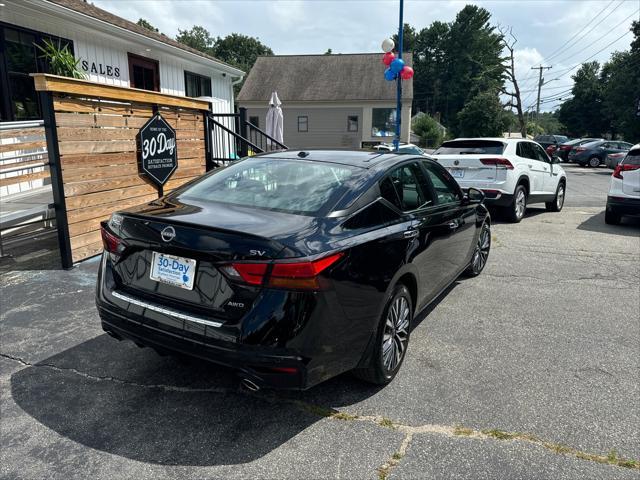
(463, 431)
(396, 456)
(385, 422)
(500, 434)
(343, 416)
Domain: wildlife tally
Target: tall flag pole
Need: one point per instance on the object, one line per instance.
(396, 140)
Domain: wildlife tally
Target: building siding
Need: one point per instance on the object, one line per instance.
(105, 48)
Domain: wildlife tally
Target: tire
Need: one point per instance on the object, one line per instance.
(612, 218)
(558, 202)
(392, 336)
(480, 253)
(594, 162)
(515, 212)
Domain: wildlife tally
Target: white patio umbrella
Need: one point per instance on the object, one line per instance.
(275, 121)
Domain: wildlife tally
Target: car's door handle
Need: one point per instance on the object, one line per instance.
(453, 225)
(411, 233)
(530, 166)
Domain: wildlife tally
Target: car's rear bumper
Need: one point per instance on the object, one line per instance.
(494, 197)
(623, 205)
(260, 365)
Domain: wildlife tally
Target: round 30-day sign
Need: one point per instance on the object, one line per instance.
(157, 154)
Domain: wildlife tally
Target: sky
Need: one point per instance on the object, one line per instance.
(560, 33)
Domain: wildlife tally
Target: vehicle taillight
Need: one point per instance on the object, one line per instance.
(551, 149)
(111, 243)
(498, 162)
(579, 149)
(290, 275)
(617, 172)
(565, 147)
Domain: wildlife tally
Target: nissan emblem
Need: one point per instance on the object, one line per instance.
(168, 234)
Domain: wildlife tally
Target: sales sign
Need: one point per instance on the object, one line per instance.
(157, 154)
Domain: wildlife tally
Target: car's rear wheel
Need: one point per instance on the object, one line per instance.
(481, 252)
(558, 202)
(611, 217)
(594, 162)
(518, 206)
(392, 339)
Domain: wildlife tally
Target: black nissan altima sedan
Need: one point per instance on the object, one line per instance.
(292, 267)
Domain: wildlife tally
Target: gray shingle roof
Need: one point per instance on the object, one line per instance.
(308, 78)
(91, 10)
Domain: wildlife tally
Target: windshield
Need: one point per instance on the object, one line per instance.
(292, 186)
(456, 147)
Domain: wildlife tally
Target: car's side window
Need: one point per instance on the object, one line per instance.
(540, 154)
(524, 150)
(444, 185)
(406, 188)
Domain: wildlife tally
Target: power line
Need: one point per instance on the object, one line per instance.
(564, 72)
(613, 29)
(591, 29)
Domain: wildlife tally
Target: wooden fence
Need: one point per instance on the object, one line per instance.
(91, 135)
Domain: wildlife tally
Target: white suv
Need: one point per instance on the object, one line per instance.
(512, 172)
(624, 190)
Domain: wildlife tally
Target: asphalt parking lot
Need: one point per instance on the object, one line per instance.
(529, 371)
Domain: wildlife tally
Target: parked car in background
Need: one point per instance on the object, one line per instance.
(403, 148)
(562, 150)
(594, 154)
(624, 190)
(550, 142)
(613, 159)
(292, 267)
(512, 172)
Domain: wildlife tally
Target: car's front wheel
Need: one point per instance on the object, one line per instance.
(558, 202)
(481, 252)
(594, 162)
(392, 339)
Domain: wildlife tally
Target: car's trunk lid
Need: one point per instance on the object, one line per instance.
(469, 168)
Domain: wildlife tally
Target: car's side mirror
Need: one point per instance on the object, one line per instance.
(473, 196)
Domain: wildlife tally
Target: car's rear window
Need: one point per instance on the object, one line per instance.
(293, 186)
(632, 158)
(463, 147)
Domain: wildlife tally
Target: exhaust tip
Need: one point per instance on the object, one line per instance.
(249, 385)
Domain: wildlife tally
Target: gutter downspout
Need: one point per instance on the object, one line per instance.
(233, 84)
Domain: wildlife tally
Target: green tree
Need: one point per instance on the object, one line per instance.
(409, 36)
(143, 23)
(482, 116)
(239, 50)
(583, 114)
(198, 37)
(429, 131)
(454, 62)
(328, 52)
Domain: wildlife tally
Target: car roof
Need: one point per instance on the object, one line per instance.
(492, 139)
(356, 158)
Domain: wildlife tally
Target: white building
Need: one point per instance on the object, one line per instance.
(111, 50)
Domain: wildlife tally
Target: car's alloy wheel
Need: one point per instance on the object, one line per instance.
(594, 162)
(396, 333)
(391, 341)
(481, 252)
(518, 206)
(558, 202)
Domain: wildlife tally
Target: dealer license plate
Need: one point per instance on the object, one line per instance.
(176, 271)
(456, 172)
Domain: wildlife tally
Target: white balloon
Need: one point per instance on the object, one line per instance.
(387, 45)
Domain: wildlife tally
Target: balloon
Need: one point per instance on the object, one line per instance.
(406, 73)
(396, 65)
(387, 58)
(389, 75)
(387, 45)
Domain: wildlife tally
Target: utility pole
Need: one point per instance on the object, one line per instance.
(540, 83)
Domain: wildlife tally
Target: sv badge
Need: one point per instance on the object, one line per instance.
(258, 253)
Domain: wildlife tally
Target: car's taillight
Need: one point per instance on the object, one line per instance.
(112, 244)
(290, 275)
(565, 147)
(617, 172)
(551, 148)
(498, 162)
(579, 149)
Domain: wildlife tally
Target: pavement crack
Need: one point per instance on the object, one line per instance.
(108, 378)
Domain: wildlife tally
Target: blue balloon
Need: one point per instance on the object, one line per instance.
(397, 65)
(389, 75)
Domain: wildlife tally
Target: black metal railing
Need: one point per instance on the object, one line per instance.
(231, 137)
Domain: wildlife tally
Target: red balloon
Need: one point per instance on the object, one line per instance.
(387, 58)
(406, 73)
